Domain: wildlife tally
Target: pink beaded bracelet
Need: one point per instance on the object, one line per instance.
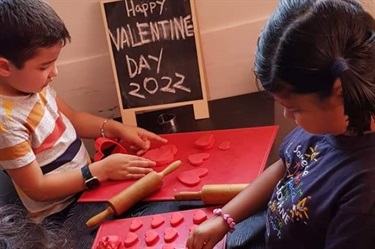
(225, 217)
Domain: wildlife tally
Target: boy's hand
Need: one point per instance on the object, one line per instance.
(121, 167)
(139, 139)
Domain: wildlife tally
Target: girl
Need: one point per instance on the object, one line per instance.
(316, 58)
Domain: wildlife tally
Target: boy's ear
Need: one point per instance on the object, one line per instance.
(4, 67)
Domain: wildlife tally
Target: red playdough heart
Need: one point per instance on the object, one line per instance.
(224, 145)
(162, 155)
(199, 216)
(192, 177)
(151, 237)
(130, 239)
(198, 158)
(170, 234)
(205, 142)
(157, 220)
(135, 225)
(176, 219)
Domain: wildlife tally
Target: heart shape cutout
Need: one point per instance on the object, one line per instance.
(224, 145)
(135, 225)
(170, 234)
(205, 142)
(198, 158)
(199, 216)
(176, 219)
(151, 237)
(130, 239)
(192, 177)
(157, 221)
(163, 155)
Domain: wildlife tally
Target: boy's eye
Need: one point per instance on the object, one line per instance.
(295, 111)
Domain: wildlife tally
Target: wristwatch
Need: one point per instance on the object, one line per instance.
(91, 181)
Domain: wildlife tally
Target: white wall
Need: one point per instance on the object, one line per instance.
(228, 31)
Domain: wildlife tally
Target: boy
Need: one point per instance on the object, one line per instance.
(40, 145)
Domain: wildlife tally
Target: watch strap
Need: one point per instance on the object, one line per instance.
(86, 173)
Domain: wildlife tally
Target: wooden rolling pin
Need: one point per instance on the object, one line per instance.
(134, 193)
(213, 193)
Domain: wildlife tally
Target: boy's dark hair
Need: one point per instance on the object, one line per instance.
(25, 26)
(303, 41)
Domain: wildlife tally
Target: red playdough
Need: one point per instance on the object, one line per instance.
(130, 239)
(192, 177)
(176, 219)
(109, 242)
(199, 216)
(198, 158)
(157, 221)
(151, 237)
(224, 145)
(170, 234)
(162, 155)
(135, 225)
(168, 246)
(205, 142)
(165, 236)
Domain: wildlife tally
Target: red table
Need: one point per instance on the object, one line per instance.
(242, 163)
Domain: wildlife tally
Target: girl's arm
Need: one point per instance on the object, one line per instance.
(256, 196)
(248, 202)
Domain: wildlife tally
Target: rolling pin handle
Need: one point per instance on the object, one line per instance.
(170, 168)
(188, 195)
(97, 219)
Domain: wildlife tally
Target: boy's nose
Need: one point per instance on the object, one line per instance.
(54, 72)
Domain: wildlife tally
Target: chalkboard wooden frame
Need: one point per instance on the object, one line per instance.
(121, 44)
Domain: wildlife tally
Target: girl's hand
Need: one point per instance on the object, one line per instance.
(121, 167)
(207, 234)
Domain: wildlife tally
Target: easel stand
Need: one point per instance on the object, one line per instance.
(201, 111)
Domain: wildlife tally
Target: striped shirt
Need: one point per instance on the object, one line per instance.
(33, 128)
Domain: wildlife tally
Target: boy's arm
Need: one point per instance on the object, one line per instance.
(37, 186)
(85, 124)
(89, 126)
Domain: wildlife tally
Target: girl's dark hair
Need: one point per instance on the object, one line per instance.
(26, 25)
(307, 44)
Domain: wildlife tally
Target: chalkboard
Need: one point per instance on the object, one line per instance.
(155, 52)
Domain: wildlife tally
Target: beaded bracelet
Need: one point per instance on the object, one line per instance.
(102, 131)
(225, 217)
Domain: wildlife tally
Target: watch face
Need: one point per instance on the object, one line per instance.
(92, 183)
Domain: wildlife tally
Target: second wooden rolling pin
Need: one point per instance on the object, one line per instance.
(213, 193)
(134, 193)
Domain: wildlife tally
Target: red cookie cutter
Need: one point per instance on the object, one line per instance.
(106, 146)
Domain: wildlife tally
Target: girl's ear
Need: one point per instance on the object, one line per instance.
(337, 88)
(4, 67)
